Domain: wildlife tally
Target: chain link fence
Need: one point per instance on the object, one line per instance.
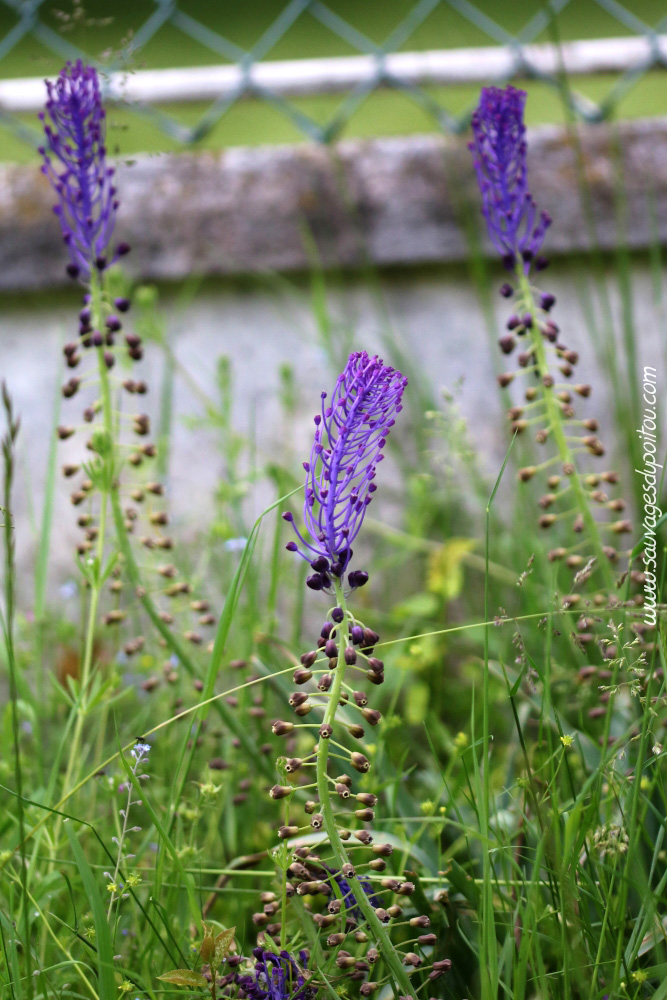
(236, 73)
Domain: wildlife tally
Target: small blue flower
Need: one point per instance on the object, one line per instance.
(140, 750)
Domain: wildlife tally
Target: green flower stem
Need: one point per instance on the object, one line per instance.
(376, 927)
(555, 421)
(108, 459)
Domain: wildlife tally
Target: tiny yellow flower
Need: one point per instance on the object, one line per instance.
(567, 741)
(126, 986)
(112, 887)
(645, 783)
(639, 976)
(461, 741)
(89, 933)
(427, 808)
(133, 880)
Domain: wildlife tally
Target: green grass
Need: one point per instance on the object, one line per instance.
(519, 762)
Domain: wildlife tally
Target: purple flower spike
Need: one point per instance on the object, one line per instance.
(499, 149)
(277, 977)
(350, 434)
(75, 163)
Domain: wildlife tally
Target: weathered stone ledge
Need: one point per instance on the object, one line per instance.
(391, 201)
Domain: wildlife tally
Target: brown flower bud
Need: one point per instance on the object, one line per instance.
(363, 836)
(287, 831)
(300, 676)
(326, 730)
(371, 715)
(504, 380)
(280, 791)
(383, 850)
(307, 659)
(547, 500)
(421, 921)
(365, 815)
(335, 939)
(426, 940)
(546, 520)
(621, 527)
(280, 728)
(377, 864)
(356, 731)
(345, 960)
(358, 761)
(527, 473)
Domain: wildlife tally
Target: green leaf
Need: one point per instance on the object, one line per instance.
(223, 943)
(207, 948)
(185, 977)
(105, 966)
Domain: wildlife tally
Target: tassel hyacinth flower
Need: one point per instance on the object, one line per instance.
(75, 163)
(499, 158)
(277, 977)
(499, 150)
(350, 434)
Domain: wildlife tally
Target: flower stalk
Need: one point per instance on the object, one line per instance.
(387, 950)
(555, 425)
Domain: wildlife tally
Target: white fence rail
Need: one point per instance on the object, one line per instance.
(311, 77)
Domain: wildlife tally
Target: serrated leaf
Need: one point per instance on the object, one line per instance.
(185, 977)
(223, 943)
(207, 948)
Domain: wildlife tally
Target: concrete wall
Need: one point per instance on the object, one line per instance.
(435, 316)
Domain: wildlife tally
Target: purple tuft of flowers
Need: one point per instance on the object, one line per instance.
(75, 163)
(349, 899)
(499, 150)
(350, 433)
(277, 977)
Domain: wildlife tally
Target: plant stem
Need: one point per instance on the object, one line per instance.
(554, 419)
(376, 927)
(108, 459)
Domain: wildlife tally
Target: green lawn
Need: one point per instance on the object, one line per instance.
(386, 112)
